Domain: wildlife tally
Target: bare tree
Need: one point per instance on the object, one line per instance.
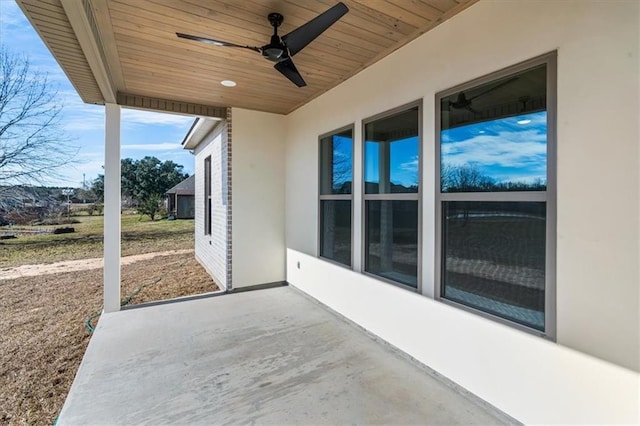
(465, 177)
(33, 146)
(341, 173)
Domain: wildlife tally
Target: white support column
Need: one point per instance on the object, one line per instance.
(112, 209)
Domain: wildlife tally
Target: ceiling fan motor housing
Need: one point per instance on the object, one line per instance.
(276, 50)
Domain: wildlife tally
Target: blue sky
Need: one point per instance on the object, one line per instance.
(512, 149)
(142, 133)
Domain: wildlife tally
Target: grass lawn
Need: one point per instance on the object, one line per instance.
(42, 318)
(139, 235)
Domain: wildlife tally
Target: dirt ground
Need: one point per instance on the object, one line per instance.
(77, 265)
(42, 327)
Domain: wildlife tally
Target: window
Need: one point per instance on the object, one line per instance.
(391, 195)
(336, 181)
(207, 195)
(495, 195)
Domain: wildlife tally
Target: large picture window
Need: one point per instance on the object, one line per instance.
(391, 195)
(336, 181)
(495, 195)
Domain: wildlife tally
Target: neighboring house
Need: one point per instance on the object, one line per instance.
(472, 199)
(180, 199)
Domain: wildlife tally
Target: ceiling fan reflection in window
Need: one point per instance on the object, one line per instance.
(462, 102)
(281, 49)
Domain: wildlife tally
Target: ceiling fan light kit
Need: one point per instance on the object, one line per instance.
(281, 49)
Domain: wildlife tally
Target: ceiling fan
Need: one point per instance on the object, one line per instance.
(462, 102)
(281, 49)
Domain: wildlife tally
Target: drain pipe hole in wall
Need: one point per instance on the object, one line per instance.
(298, 264)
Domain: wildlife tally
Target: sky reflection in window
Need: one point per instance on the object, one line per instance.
(506, 154)
(403, 166)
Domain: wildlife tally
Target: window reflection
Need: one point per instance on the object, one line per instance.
(336, 159)
(392, 240)
(391, 154)
(494, 136)
(335, 228)
(494, 258)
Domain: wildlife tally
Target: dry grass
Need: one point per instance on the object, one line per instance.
(139, 235)
(43, 335)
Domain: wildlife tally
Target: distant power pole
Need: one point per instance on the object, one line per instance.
(68, 192)
(84, 183)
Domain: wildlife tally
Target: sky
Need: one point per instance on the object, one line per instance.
(512, 149)
(143, 133)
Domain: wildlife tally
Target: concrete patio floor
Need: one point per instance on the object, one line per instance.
(269, 356)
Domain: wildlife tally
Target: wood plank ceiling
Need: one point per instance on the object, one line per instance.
(143, 56)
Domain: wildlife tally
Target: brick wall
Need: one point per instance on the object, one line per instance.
(214, 251)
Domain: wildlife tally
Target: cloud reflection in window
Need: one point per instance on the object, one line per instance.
(507, 154)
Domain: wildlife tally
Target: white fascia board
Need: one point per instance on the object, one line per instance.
(201, 127)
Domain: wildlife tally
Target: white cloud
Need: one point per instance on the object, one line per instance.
(11, 15)
(21, 39)
(506, 149)
(79, 116)
(141, 117)
(410, 166)
(165, 146)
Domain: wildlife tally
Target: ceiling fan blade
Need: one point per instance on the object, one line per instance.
(297, 39)
(289, 70)
(504, 83)
(215, 42)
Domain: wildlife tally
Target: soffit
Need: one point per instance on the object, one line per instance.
(143, 57)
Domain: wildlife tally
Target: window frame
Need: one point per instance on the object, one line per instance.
(549, 196)
(207, 196)
(335, 197)
(416, 196)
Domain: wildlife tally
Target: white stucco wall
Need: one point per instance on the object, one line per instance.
(598, 216)
(598, 183)
(531, 379)
(258, 254)
(211, 250)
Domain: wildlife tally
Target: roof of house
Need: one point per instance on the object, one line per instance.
(186, 187)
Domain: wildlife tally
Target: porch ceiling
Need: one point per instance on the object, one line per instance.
(127, 52)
